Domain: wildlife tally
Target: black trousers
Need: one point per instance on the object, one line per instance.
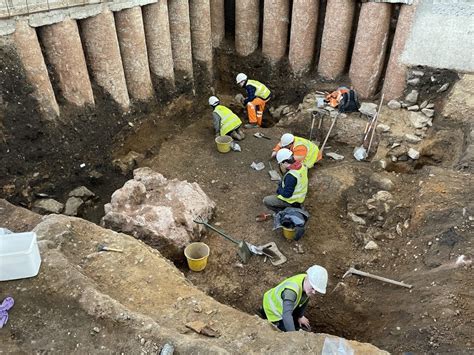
(280, 324)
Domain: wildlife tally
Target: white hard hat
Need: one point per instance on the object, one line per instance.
(287, 139)
(213, 101)
(283, 154)
(318, 278)
(240, 77)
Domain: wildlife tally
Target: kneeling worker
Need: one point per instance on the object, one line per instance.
(303, 149)
(257, 97)
(285, 304)
(293, 186)
(225, 121)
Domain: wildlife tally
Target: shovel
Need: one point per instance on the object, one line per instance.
(360, 153)
(246, 250)
(353, 271)
(320, 154)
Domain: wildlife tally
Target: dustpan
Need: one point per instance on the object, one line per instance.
(274, 176)
(276, 257)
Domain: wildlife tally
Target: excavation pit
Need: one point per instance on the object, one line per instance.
(390, 219)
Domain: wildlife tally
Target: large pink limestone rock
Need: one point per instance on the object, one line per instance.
(158, 211)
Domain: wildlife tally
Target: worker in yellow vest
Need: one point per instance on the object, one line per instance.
(285, 304)
(257, 97)
(225, 121)
(293, 187)
(303, 149)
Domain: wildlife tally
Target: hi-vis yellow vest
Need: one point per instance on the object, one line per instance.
(312, 148)
(273, 302)
(229, 120)
(301, 187)
(261, 90)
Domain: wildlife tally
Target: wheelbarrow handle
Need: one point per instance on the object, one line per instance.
(200, 221)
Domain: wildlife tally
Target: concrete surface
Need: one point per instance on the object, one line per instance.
(276, 21)
(304, 20)
(29, 51)
(101, 46)
(131, 37)
(396, 73)
(217, 22)
(336, 37)
(370, 48)
(442, 36)
(63, 50)
(158, 41)
(246, 27)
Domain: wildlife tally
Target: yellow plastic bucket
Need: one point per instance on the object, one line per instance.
(197, 254)
(289, 233)
(223, 143)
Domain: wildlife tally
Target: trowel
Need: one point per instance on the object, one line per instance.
(261, 135)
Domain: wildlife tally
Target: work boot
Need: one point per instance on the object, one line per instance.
(241, 133)
(236, 136)
(251, 125)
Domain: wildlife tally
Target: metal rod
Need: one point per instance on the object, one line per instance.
(329, 132)
(312, 125)
(375, 125)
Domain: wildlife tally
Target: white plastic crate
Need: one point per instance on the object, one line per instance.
(19, 256)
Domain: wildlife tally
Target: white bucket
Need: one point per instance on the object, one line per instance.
(19, 256)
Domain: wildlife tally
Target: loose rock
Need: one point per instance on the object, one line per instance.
(159, 210)
(371, 245)
(73, 204)
(443, 88)
(383, 128)
(419, 120)
(368, 108)
(413, 108)
(356, 218)
(413, 154)
(382, 182)
(412, 97)
(48, 205)
(394, 105)
(424, 104)
(82, 192)
(414, 81)
(428, 112)
(417, 73)
(335, 156)
(383, 196)
(411, 138)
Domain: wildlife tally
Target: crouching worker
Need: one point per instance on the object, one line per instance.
(285, 304)
(303, 149)
(225, 121)
(257, 97)
(293, 186)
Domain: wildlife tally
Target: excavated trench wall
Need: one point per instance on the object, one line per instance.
(142, 50)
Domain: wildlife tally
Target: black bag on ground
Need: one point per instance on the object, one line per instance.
(349, 102)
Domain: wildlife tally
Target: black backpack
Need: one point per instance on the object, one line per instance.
(349, 102)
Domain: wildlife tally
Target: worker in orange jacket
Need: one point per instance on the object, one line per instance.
(257, 97)
(303, 149)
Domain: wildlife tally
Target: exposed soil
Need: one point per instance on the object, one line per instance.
(434, 317)
(390, 317)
